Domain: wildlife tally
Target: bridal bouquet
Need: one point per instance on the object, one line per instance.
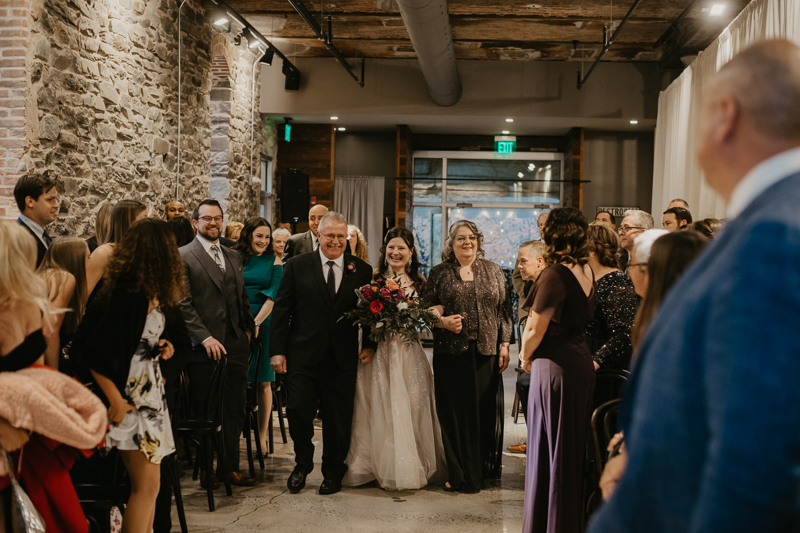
(388, 310)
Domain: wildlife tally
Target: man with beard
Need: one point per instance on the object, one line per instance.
(220, 323)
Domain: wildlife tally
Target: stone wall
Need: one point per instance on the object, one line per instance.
(101, 106)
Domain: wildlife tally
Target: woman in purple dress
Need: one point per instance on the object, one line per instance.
(554, 351)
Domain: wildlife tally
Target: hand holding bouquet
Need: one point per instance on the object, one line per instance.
(386, 308)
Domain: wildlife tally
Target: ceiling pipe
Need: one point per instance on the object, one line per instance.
(607, 44)
(428, 26)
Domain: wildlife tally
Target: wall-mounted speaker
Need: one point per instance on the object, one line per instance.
(295, 198)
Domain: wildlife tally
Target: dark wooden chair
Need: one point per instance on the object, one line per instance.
(516, 407)
(206, 432)
(278, 395)
(251, 410)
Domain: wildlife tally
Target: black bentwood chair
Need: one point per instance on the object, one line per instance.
(206, 432)
(251, 410)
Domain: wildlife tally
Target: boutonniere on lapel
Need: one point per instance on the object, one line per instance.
(351, 267)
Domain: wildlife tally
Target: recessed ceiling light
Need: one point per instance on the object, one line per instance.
(717, 10)
(505, 132)
(340, 129)
(509, 120)
(334, 118)
(634, 121)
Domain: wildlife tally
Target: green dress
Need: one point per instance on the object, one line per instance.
(261, 279)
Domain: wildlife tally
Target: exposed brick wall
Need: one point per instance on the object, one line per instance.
(14, 37)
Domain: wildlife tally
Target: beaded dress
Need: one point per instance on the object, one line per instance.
(396, 438)
(609, 333)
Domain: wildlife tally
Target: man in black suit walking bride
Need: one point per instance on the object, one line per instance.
(312, 341)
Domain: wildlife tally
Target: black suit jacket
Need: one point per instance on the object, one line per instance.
(307, 322)
(41, 249)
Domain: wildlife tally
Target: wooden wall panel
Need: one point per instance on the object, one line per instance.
(404, 192)
(573, 169)
(310, 151)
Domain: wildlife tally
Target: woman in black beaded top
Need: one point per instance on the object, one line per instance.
(470, 352)
(609, 333)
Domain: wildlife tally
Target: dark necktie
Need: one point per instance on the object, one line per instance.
(331, 279)
(47, 240)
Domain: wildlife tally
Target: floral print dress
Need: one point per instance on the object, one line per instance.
(147, 428)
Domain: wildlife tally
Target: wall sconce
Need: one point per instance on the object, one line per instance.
(220, 20)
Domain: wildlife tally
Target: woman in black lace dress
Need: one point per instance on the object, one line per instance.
(609, 334)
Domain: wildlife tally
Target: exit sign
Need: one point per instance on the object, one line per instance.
(287, 132)
(505, 147)
(505, 144)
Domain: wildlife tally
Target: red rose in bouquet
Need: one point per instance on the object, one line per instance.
(375, 307)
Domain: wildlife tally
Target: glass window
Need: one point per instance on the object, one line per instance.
(493, 180)
(427, 180)
(428, 235)
(503, 229)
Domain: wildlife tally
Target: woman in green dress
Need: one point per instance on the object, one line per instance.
(262, 271)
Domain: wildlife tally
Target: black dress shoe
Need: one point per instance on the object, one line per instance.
(330, 486)
(297, 480)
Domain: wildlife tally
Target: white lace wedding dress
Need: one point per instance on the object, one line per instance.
(396, 438)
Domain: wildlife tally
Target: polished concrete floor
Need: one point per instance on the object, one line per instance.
(269, 507)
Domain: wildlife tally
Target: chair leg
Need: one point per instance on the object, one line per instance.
(176, 487)
(188, 452)
(246, 430)
(270, 436)
(208, 451)
(221, 461)
(257, 433)
(278, 404)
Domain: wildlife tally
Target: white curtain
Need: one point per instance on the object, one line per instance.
(675, 172)
(360, 200)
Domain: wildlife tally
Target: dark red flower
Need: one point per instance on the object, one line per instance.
(375, 307)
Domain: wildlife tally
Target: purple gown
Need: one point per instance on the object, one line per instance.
(562, 382)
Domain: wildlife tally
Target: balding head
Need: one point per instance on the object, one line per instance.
(750, 112)
(315, 214)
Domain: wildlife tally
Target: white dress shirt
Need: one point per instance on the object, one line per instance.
(35, 228)
(338, 268)
(314, 241)
(207, 247)
(762, 177)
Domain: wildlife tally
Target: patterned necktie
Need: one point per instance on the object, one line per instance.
(220, 264)
(331, 279)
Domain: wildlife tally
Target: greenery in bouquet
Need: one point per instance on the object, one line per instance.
(388, 310)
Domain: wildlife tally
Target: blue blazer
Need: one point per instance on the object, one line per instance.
(712, 413)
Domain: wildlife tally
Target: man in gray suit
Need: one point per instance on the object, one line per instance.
(220, 323)
(302, 243)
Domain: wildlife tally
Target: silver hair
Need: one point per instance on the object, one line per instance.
(332, 217)
(281, 231)
(644, 241)
(537, 248)
(447, 249)
(643, 219)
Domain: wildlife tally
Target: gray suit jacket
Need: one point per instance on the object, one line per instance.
(298, 244)
(204, 308)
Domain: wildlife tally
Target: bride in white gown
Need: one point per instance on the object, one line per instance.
(396, 438)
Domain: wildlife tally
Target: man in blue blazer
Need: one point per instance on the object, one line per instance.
(712, 414)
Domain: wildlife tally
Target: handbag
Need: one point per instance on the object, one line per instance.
(24, 516)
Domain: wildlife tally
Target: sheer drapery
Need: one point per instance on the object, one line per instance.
(675, 172)
(360, 200)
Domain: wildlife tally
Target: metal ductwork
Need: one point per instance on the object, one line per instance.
(428, 25)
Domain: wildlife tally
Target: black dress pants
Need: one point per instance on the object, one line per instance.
(523, 388)
(332, 390)
(234, 397)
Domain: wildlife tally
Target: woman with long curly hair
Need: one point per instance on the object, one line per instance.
(262, 270)
(357, 242)
(395, 436)
(121, 340)
(554, 351)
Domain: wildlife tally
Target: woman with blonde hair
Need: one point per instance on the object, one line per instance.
(358, 244)
(64, 270)
(233, 230)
